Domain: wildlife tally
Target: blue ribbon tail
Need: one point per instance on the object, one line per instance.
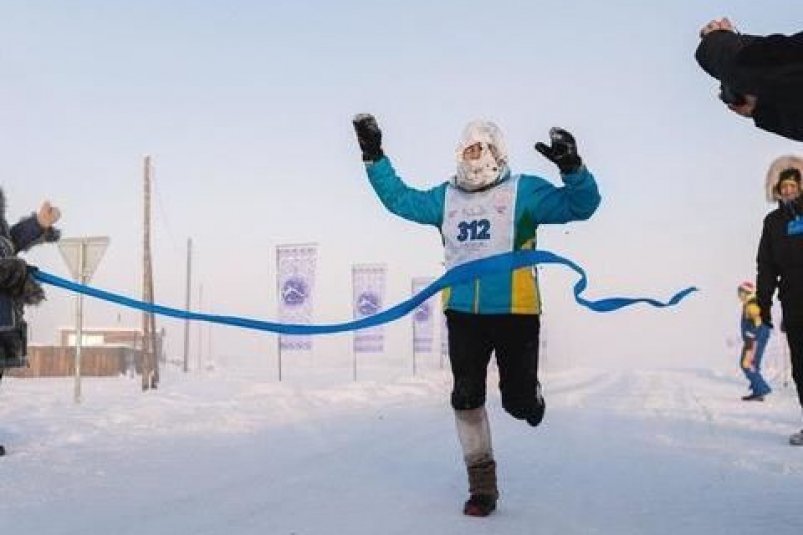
(457, 275)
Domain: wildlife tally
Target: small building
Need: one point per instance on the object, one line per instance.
(104, 352)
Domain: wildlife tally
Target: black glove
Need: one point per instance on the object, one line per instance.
(13, 272)
(562, 151)
(369, 136)
(766, 319)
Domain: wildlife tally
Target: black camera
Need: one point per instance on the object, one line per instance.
(731, 97)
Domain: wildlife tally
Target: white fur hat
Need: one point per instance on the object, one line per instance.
(774, 174)
(482, 131)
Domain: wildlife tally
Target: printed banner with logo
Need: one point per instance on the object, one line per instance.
(295, 284)
(368, 284)
(424, 317)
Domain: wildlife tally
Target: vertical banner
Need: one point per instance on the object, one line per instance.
(368, 285)
(424, 318)
(295, 283)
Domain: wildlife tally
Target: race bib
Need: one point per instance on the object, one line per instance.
(479, 224)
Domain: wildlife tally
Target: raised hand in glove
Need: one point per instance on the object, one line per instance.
(562, 150)
(369, 136)
(13, 272)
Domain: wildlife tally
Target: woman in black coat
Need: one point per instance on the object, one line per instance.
(780, 262)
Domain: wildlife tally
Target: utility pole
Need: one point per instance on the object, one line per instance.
(200, 328)
(150, 363)
(187, 307)
(209, 359)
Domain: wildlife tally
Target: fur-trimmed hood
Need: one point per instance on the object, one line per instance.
(774, 174)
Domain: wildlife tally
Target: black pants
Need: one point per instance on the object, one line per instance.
(514, 338)
(794, 336)
(13, 348)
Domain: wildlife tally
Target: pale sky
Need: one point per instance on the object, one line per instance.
(246, 109)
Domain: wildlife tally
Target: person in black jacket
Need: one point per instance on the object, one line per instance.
(761, 76)
(780, 262)
(17, 287)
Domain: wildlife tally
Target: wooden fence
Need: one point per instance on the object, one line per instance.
(96, 361)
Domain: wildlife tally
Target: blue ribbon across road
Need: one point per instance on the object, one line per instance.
(460, 274)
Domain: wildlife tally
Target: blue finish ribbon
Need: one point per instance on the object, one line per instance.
(460, 274)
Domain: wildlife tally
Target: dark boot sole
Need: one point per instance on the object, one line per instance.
(477, 511)
(483, 506)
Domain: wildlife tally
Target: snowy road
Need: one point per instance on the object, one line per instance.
(638, 452)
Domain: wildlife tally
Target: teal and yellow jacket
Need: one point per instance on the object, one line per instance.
(496, 220)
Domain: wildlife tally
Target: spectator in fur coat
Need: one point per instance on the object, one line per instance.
(779, 262)
(18, 288)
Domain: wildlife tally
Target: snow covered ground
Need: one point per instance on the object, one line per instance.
(234, 451)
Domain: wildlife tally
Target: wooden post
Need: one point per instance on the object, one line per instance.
(187, 306)
(150, 363)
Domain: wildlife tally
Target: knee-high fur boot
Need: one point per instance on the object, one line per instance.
(475, 439)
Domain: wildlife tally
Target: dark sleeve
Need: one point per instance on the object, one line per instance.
(766, 272)
(772, 69)
(27, 233)
(766, 67)
(717, 52)
(779, 117)
(774, 49)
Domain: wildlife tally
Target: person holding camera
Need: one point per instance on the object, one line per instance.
(481, 211)
(18, 288)
(761, 77)
(779, 262)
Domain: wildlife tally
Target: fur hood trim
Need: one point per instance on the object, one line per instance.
(774, 174)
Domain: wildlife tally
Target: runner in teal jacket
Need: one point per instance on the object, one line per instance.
(484, 210)
(536, 202)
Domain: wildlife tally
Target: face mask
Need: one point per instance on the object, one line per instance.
(478, 173)
(490, 166)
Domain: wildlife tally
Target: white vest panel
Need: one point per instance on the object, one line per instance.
(479, 224)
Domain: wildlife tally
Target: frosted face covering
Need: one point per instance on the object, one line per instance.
(481, 156)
